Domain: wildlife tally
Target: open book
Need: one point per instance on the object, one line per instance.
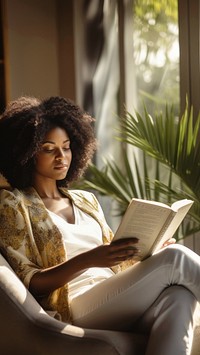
(153, 223)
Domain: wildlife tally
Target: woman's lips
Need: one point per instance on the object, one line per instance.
(61, 167)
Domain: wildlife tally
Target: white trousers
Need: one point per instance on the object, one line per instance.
(145, 296)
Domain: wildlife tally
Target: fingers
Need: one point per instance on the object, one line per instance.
(169, 241)
(123, 251)
(124, 244)
(127, 256)
(125, 241)
(108, 255)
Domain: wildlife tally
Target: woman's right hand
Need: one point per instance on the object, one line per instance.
(112, 254)
(107, 255)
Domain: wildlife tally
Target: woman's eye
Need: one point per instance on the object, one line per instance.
(47, 150)
(52, 150)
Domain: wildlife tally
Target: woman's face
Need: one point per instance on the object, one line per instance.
(54, 158)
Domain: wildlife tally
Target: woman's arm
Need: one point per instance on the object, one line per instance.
(47, 280)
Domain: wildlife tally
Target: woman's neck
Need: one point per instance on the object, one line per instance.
(47, 190)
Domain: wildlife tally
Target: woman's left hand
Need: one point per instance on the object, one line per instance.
(169, 242)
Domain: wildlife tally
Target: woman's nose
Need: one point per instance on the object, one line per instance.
(60, 154)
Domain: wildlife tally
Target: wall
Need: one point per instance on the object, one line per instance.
(32, 48)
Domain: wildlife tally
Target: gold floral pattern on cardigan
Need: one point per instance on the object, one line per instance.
(31, 241)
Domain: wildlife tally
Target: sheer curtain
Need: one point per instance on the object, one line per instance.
(97, 66)
(98, 74)
(107, 73)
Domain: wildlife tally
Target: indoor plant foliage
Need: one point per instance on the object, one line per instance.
(173, 145)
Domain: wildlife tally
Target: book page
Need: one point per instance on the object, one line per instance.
(182, 203)
(143, 221)
(182, 208)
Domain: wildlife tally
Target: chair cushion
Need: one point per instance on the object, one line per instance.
(26, 328)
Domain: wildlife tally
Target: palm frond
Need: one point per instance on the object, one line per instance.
(122, 183)
(169, 142)
(174, 143)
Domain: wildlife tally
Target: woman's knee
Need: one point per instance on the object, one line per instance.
(177, 295)
(174, 252)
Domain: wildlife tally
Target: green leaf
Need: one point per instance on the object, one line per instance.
(171, 143)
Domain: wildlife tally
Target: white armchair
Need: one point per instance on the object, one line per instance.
(25, 328)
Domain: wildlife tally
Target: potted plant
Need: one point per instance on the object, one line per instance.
(171, 146)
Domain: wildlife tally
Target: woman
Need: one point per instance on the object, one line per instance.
(58, 242)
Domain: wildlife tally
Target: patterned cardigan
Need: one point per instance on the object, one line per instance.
(30, 240)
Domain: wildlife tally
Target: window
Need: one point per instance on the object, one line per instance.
(156, 53)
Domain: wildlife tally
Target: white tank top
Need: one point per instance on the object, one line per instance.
(85, 234)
